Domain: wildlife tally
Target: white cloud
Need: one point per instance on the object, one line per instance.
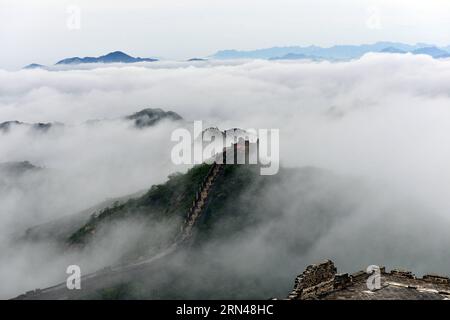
(383, 119)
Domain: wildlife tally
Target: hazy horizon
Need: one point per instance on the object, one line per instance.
(178, 30)
(418, 43)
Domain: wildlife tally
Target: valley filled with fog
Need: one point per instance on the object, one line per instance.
(375, 127)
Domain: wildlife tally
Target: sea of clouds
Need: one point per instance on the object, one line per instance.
(383, 119)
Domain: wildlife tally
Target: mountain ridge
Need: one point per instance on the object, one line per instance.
(144, 118)
(311, 52)
(112, 57)
(334, 53)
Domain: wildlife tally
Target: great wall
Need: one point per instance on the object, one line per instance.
(322, 282)
(200, 200)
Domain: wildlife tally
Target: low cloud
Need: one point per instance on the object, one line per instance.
(382, 120)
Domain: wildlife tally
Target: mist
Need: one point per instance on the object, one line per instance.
(379, 123)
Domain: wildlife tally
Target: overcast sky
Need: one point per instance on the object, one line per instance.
(43, 31)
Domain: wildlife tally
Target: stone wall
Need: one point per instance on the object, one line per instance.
(431, 278)
(315, 280)
(320, 280)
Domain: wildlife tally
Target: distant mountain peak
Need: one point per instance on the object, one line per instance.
(118, 53)
(197, 59)
(149, 117)
(18, 167)
(333, 53)
(117, 56)
(112, 57)
(34, 66)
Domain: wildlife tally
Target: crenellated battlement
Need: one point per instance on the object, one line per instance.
(199, 201)
(321, 281)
